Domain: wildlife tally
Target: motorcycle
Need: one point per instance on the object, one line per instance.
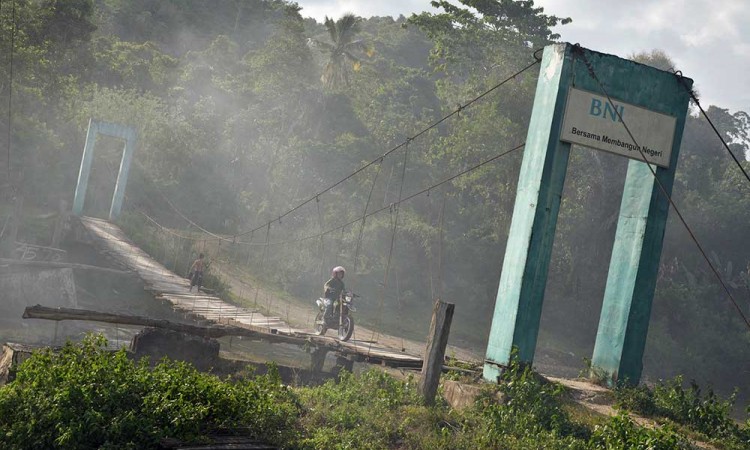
(339, 316)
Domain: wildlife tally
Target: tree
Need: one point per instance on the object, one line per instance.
(484, 35)
(341, 50)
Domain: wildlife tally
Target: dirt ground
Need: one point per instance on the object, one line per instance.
(299, 315)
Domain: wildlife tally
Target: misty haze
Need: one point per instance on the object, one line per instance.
(237, 152)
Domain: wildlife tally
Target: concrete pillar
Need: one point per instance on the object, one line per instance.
(633, 270)
(122, 176)
(85, 169)
(518, 306)
(110, 129)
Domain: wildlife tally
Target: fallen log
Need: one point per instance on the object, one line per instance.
(254, 332)
(214, 331)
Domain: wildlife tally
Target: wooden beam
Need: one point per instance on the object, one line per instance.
(216, 331)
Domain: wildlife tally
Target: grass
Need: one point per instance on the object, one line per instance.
(87, 397)
(698, 414)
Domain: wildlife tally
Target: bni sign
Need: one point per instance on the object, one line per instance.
(593, 121)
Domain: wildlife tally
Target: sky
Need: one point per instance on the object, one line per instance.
(708, 40)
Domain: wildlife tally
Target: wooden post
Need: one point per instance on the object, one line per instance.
(442, 315)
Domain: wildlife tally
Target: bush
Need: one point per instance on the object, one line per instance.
(359, 411)
(87, 397)
(532, 404)
(534, 416)
(638, 399)
(704, 413)
(707, 414)
(621, 433)
(531, 416)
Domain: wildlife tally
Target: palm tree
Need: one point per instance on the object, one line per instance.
(340, 51)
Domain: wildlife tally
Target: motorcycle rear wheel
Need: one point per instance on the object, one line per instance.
(320, 324)
(346, 329)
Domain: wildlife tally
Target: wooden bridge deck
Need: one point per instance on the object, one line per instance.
(110, 240)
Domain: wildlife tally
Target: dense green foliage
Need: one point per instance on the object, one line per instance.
(622, 433)
(87, 397)
(236, 127)
(358, 412)
(84, 396)
(707, 414)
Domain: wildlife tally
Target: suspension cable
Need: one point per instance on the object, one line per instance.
(405, 199)
(430, 251)
(176, 210)
(402, 144)
(321, 249)
(364, 217)
(393, 239)
(375, 330)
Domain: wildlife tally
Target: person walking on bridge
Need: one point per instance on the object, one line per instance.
(196, 273)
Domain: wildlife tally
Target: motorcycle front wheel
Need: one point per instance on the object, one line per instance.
(346, 329)
(320, 324)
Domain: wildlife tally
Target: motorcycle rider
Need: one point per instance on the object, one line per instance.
(333, 288)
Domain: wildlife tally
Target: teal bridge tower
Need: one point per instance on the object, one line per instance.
(610, 104)
(126, 133)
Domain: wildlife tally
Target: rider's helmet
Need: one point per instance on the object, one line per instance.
(336, 270)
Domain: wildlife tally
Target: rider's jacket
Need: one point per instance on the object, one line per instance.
(333, 288)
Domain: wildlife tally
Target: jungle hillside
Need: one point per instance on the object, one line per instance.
(246, 109)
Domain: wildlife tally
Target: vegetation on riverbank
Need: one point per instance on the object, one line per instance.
(87, 397)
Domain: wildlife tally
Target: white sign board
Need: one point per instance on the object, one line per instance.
(593, 121)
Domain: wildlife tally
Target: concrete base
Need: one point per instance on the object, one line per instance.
(461, 396)
(21, 287)
(156, 343)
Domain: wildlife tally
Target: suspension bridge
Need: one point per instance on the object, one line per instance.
(167, 286)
